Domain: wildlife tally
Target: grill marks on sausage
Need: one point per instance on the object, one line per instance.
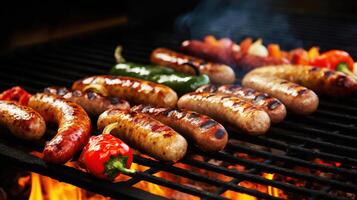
(62, 91)
(208, 124)
(328, 73)
(341, 81)
(273, 104)
(314, 69)
(261, 97)
(302, 91)
(91, 95)
(220, 133)
(249, 94)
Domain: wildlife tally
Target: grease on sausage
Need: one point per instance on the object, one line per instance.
(134, 90)
(271, 105)
(227, 108)
(206, 133)
(145, 133)
(73, 126)
(22, 121)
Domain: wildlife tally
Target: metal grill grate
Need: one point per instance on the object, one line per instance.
(328, 135)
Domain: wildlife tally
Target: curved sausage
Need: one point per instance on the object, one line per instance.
(93, 103)
(22, 121)
(73, 126)
(227, 108)
(296, 98)
(320, 80)
(145, 133)
(275, 109)
(134, 90)
(218, 73)
(206, 133)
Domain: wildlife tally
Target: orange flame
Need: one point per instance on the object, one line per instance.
(272, 191)
(45, 188)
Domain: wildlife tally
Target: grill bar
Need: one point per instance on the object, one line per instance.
(298, 141)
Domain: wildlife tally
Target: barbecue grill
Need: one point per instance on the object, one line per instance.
(322, 144)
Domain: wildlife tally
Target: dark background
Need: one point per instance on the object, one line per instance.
(327, 23)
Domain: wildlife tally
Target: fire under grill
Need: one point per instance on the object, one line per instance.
(312, 157)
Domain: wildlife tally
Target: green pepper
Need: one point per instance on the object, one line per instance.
(179, 82)
(343, 67)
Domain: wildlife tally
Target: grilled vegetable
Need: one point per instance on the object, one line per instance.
(105, 156)
(181, 83)
(331, 59)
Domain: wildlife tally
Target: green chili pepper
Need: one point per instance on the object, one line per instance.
(179, 82)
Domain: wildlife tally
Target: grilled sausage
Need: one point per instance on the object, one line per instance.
(275, 109)
(227, 52)
(134, 90)
(248, 62)
(218, 73)
(227, 108)
(296, 98)
(207, 134)
(22, 121)
(145, 133)
(93, 103)
(320, 80)
(73, 122)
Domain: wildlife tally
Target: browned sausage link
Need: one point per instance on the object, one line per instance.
(134, 90)
(271, 105)
(22, 121)
(320, 80)
(296, 98)
(73, 126)
(207, 134)
(93, 103)
(218, 73)
(227, 108)
(145, 133)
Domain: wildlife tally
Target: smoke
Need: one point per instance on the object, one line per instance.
(236, 20)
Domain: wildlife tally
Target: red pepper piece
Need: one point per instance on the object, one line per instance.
(17, 94)
(331, 59)
(106, 156)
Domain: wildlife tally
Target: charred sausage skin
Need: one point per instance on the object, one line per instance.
(145, 133)
(73, 126)
(271, 105)
(218, 73)
(206, 133)
(227, 108)
(93, 103)
(296, 98)
(320, 80)
(131, 89)
(22, 121)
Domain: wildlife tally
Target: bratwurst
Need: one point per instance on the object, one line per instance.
(93, 103)
(227, 108)
(73, 126)
(131, 89)
(275, 109)
(296, 98)
(145, 133)
(320, 80)
(217, 73)
(207, 134)
(22, 121)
